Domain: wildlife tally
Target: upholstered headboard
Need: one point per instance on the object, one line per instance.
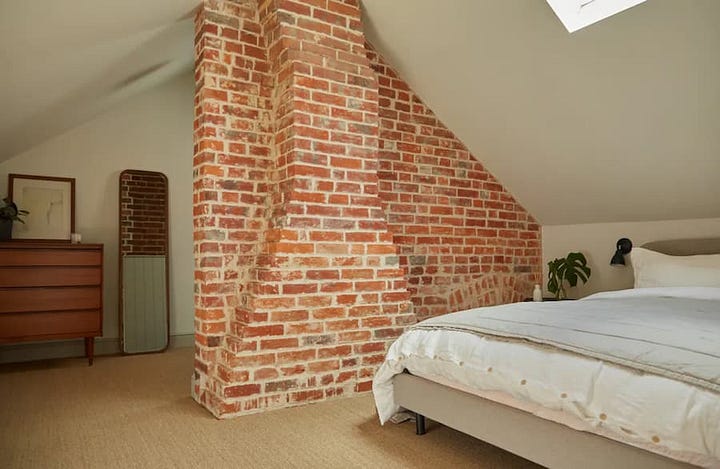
(685, 247)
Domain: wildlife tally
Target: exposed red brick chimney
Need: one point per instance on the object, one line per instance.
(300, 287)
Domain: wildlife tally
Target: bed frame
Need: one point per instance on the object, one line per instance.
(542, 441)
(536, 439)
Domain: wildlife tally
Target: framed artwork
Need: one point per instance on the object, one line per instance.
(51, 203)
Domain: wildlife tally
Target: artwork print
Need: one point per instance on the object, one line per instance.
(50, 202)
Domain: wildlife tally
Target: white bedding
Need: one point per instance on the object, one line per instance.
(647, 410)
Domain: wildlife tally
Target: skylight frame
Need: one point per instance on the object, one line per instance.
(577, 14)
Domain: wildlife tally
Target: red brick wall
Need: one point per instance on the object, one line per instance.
(233, 140)
(299, 286)
(299, 292)
(464, 240)
(143, 213)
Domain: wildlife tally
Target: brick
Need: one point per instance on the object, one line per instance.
(315, 301)
(295, 7)
(331, 208)
(304, 396)
(373, 359)
(342, 325)
(294, 370)
(232, 376)
(284, 385)
(298, 289)
(363, 386)
(296, 356)
(289, 316)
(262, 331)
(265, 373)
(322, 274)
(354, 336)
(374, 322)
(339, 351)
(322, 339)
(346, 376)
(371, 347)
(363, 310)
(271, 344)
(326, 365)
(328, 313)
(241, 390)
(305, 328)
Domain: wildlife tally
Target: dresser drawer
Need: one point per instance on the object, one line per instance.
(49, 276)
(27, 326)
(40, 257)
(18, 300)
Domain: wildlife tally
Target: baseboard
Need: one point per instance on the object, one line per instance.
(183, 340)
(32, 351)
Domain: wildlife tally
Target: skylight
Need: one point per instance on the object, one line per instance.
(576, 14)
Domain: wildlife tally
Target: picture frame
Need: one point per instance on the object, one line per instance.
(51, 203)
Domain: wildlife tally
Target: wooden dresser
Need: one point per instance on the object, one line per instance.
(51, 291)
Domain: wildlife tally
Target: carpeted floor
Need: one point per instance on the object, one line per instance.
(136, 411)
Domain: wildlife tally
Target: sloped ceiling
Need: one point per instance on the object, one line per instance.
(619, 121)
(63, 61)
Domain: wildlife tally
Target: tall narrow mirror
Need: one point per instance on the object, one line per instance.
(143, 261)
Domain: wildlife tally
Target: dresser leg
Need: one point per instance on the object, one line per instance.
(90, 349)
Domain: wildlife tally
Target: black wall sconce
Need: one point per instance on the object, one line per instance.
(622, 247)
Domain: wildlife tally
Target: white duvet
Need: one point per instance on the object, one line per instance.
(658, 413)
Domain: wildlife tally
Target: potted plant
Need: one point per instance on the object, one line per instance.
(8, 214)
(570, 269)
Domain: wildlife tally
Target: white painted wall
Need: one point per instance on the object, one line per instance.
(597, 242)
(151, 131)
(617, 122)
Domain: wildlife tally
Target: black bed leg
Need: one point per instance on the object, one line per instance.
(419, 424)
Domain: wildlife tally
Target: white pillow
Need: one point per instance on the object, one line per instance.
(653, 269)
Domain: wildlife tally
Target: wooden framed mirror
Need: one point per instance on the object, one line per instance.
(143, 262)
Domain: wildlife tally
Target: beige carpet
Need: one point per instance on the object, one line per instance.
(136, 411)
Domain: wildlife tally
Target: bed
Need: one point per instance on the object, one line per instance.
(639, 388)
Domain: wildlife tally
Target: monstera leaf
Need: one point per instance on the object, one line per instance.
(554, 277)
(570, 269)
(576, 267)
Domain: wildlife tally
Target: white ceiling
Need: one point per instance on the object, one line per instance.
(619, 121)
(65, 61)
